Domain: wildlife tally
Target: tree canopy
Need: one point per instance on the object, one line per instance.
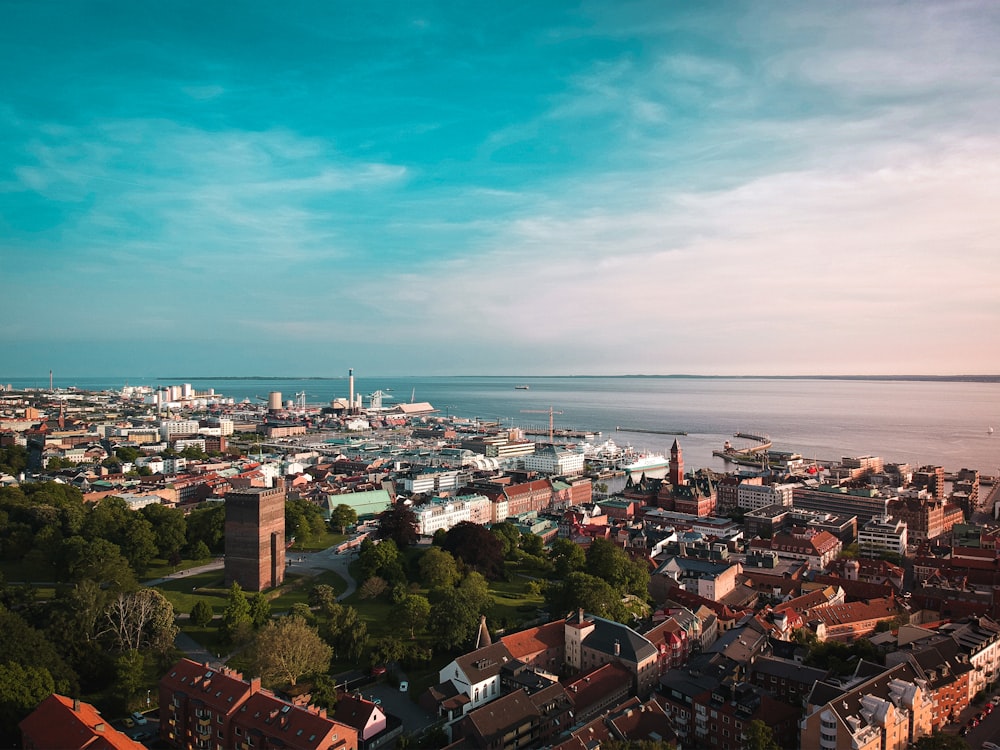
(286, 650)
(399, 524)
(477, 547)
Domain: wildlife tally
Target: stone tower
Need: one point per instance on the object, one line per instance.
(255, 537)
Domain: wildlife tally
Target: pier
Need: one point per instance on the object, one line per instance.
(618, 428)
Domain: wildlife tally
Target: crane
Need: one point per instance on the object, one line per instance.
(550, 411)
(300, 399)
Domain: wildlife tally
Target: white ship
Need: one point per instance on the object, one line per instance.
(647, 463)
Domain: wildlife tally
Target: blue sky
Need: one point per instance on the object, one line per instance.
(239, 188)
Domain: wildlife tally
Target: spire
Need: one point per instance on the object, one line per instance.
(483, 637)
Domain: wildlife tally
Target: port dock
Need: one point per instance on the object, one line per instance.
(619, 428)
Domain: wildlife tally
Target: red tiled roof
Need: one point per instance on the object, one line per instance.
(297, 728)
(60, 724)
(219, 690)
(534, 640)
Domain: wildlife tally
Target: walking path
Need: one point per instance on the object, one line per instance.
(326, 559)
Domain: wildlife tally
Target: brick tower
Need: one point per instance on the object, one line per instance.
(676, 473)
(255, 537)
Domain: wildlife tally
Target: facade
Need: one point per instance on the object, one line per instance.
(756, 496)
(206, 709)
(880, 535)
(863, 503)
(554, 460)
(817, 548)
(593, 641)
(887, 711)
(443, 514)
(255, 538)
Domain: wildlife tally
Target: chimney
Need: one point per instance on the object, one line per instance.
(618, 648)
(76, 704)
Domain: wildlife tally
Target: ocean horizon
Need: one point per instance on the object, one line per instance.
(920, 420)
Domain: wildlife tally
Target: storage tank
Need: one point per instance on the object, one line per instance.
(274, 401)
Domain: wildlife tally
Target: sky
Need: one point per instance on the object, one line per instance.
(545, 187)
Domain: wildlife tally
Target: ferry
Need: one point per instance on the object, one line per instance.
(646, 463)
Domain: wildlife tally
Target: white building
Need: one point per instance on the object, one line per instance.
(171, 428)
(443, 514)
(554, 460)
(880, 535)
(756, 496)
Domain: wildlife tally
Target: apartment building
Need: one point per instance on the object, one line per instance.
(216, 709)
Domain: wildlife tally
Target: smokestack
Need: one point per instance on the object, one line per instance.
(50, 380)
(350, 380)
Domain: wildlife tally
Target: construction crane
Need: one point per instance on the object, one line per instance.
(300, 399)
(550, 411)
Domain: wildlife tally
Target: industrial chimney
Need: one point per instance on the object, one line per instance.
(350, 381)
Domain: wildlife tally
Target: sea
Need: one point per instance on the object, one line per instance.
(946, 422)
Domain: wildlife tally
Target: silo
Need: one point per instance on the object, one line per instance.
(274, 401)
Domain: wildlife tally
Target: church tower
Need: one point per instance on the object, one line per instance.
(676, 474)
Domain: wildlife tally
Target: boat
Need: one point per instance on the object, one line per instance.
(646, 463)
(989, 430)
(522, 387)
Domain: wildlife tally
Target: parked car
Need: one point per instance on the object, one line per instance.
(404, 686)
(128, 722)
(138, 717)
(990, 746)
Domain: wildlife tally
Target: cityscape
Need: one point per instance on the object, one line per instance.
(562, 375)
(450, 582)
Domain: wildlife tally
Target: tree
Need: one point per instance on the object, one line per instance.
(399, 524)
(207, 525)
(377, 559)
(438, 568)
(303, 520)
(97, 560)
(567, 556)
(236, 619)
(476, 547)
(201, 613)
(412, 613)
(532, 544)
(760, 736)
(509, 536)
(346, 632)
(939, 740)
(128, 674)
(287, 649)
(138, 620)
(22, 688)
(592, 594)
(322, 595)
(260, 609)
(455, 612)
(169, 528)
(373, 588)
(343, 516)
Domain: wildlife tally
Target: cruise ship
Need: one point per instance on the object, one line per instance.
(647, 463)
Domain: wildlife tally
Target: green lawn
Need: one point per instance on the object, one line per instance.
(316, 545)
(160, 568)
(184, 592)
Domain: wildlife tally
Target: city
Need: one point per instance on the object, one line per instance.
(480, 589)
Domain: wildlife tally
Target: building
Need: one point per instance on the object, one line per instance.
(881, 535)
(864, 503)
(206, 709)
(593, 641)
(756, 496)
(60, 723)
(554, 460)
(887, 710)
(255, 538)
(818, 548)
